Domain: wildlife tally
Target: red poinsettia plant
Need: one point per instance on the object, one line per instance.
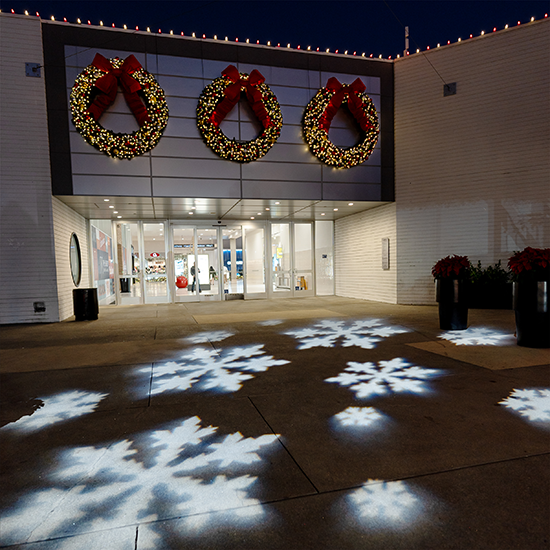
(451, 267)
(534, 261)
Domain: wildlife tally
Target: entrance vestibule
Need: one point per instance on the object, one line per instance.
(174, 261)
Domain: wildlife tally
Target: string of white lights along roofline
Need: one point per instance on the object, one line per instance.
(272, 45)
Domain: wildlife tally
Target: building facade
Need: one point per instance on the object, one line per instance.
(460, 166)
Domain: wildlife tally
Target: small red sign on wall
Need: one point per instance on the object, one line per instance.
(155, 254)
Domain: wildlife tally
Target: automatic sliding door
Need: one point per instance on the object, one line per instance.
(254, 257)
(303, 259)
(183, 244)
(156, 287)
(281, 260)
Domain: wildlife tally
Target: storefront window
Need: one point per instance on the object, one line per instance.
(103, 261)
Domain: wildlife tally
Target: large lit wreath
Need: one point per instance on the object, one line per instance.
(219, 97)
(319, 114)
(95, 89)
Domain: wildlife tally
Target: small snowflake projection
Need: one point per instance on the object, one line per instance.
(157, 476)
(212, 336)
(533, 404)
(475, 337)
(358, 416)
(58, 408)
(397, 375)
(386, 502)
(207, 369)
(364, 334)
(270, 323)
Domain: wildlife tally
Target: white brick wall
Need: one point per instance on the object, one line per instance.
(66, 222)
(358, 255)
(27, 263)
(473, 169)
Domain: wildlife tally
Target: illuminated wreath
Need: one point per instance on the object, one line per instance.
(219, 97)
(95, 89)
(319, 114)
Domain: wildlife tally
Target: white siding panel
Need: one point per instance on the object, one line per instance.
(27, 264)
(472, 171)
(358, 255)
(66, 222)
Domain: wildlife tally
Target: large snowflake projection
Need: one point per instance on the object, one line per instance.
(533, 404)
(390, 503)
(364, 334)
(397, 375)
(97, 488)
(358, 417)
(207, 369)
(58, 408)
(212, 336)
(475, 337)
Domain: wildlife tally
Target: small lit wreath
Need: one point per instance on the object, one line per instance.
(319, 114)
(219, 97)
(95, 88)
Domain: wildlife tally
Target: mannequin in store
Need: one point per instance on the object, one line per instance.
(194, 274)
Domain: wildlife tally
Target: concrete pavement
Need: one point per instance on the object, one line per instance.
(315, 423)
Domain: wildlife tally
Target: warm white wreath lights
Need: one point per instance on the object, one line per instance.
(219, 97)
(318, 117)
(95, 89)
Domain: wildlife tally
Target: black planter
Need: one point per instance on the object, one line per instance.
(453, 304)
(490, 296)
(532, 313)
(86, 305)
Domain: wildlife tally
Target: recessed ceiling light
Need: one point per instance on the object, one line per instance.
(115, 211)
(111, 206)
(277, 203)
(251, 217)
(336, 209)
(322, 213)
(190, 213)
(350, 204)
(106, 200)
(267, 208)
(119, 216)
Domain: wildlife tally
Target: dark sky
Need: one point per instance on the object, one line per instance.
(364, 26)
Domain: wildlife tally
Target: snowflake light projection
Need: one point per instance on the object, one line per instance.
(97, 488)
(389, 503)
(206, 369)
(212, 336)
(397, 375)
(58, 408)
(475, 337)
(533, 404)
(270, 322)
(365, 334)
(358, 416)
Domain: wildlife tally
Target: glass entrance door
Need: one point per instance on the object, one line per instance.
(281, 259)
(291, 260)
(254, 261)
(196, 263)
(232, 272)
(303, 259)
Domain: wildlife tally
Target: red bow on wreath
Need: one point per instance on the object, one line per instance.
(108, 84)
(233, 93)
(355, 103)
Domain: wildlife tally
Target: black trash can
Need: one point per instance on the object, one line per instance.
(86, 306)
(125, 284)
